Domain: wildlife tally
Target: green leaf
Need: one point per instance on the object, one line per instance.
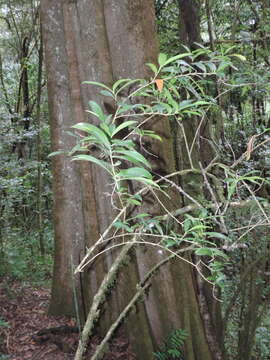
(59, 152)
(184, 63)
(174, 58)
(135, 172)
(163, 108)
(223, 65)
(217, 235)
(134, 201)
(124, 108)
(97, 110)
(217, 252)
(128, 83)
(129, 144)
(229, 49)
(106, 93)
(119, 82)
(123, 126)
(100, 136)
(197, 227)
(152, 67)
(198, 52)
(122, 225)
(151, 134)
(131, 155)
(212, 66)
(108, 129)
(239, 56)
(197, 113)
(79, 147)
(188, 103)
(231, 189)
(204, 251)
(140, 216)
(97, 84)
(169, 242)
(162, 59)
(200, 65)
(92, 159)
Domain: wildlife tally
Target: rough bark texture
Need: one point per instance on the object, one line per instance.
(189, 22)
(104, 41)
(195, 131)
(68, 220)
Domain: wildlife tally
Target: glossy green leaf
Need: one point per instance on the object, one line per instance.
(203, 251)
(200, 65)
(96, 109)
(95, 131)
(128, 83)
(135, 172)
(152, 67)
(97, 84)
(134, 201)
(174, 58)
(107, 129)
(106, 93)
(133, 156)
(122, 126)
(239, 56)
(59, 152)
(118, 83)
(94, 160)
(217, 235)
(162, 59)
(129, 144)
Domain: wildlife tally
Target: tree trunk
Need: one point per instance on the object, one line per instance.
(104, 41)
(194, 151)
(189, 22)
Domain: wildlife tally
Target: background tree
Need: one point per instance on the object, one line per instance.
(21, 134)
(231, 130)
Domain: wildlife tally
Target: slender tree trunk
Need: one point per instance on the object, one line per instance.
(189, 22)
(209, 25)
(39, 148)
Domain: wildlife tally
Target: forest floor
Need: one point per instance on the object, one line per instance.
(23, 314)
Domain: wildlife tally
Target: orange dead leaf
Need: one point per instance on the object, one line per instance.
(159, 83)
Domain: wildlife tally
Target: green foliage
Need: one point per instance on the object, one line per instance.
(21, 258)
(173, 346)
(261, 348)
(25, 178)
(19, 244)
(113, 141)
(178, 90)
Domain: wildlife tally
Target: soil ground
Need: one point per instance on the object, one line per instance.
(23, 313)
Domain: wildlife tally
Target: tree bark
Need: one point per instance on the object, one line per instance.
(193, 150)
(189, 22)
(117, 42)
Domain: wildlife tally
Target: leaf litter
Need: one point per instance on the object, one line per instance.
(26, 329)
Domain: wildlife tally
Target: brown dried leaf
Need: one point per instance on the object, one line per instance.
(159, 83)
(250, 146)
